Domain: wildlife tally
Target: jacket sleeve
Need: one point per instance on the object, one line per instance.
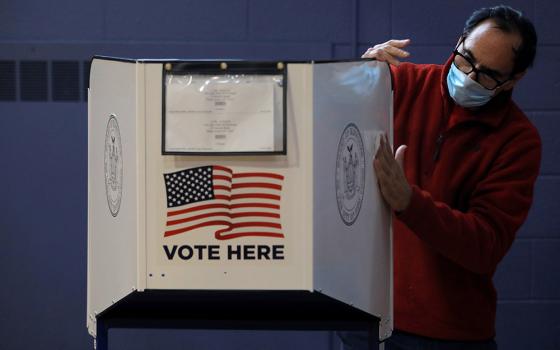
(478, 238)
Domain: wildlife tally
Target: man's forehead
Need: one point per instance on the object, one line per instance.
(490, 30)
(492, 46)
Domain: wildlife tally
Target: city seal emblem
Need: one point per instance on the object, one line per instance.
(113, 165)
(350, 174)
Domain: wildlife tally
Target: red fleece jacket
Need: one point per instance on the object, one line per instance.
(472, 174)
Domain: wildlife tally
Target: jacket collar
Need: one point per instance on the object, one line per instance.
(492, 114)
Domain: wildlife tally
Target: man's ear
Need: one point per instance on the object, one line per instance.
(513, 81)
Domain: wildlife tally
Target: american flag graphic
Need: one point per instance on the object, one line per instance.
(239, 204)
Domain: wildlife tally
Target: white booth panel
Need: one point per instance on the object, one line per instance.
(204, 259)
(114, 191)
(352, 240)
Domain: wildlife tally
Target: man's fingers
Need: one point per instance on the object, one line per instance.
(395, 51)
(390, 175)
(387, 57)
(383, 170)
(368, 53)
(384, 164)
(379, 172)
(387, 152)
(399, 155)
(379, 152)
(380, 165)
(382, 56)
(399, 43)
(389, 51)
(377, 53)
(381, 149)
(385, 189)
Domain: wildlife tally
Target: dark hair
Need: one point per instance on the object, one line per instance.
(510, 21)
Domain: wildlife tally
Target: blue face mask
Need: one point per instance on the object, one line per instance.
(465, 91)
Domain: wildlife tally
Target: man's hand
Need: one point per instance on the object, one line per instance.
(389, 51)
(390, 175)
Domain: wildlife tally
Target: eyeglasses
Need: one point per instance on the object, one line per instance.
(465, 65)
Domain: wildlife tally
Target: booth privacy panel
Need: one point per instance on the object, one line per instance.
(230, 221)
(352, 108)
(115, 186)
(273, 256)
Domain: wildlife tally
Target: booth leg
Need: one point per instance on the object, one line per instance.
(100, 342)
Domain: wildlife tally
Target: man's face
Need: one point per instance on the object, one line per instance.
(492, 50)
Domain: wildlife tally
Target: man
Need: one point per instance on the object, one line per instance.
(465, 184)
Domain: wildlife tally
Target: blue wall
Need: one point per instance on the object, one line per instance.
(44, 50)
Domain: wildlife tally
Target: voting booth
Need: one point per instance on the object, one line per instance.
(211, 180)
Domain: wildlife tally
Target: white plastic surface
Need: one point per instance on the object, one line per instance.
(293, 272)
(352, 259)
(113, 232)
